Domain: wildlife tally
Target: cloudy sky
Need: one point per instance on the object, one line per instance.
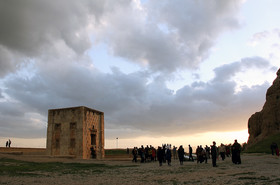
(170, 71)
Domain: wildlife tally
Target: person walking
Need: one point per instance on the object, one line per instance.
(190, 153)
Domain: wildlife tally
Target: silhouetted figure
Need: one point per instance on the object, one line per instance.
(168, 156)
(7, 144)
(142, 154)
(228, 150)
(160, 155)
(273, 148)
(207, 150)
(277, 150)
(199, 154)
(204, 157)
(134, 153)
(236, 149)
(190, 153)
(127, 150)
(10, 142)
(214, 154)
(181, 153)
(174, 152)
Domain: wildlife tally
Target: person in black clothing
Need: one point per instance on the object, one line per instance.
(181, 153)
(160, 155)
(214, 154)
(134, 153)
(273, 147)
(236, 149)
(190, 153)
(168, 156)
(10, 142)
(141, 152)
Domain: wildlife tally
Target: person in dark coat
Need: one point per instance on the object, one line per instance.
(273, 147)
(134, 153)
(236, 149)
(160, 155)
(214, 154)
(168, 156)
(181, 153)
(10, 142)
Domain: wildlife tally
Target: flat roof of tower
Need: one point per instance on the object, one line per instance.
(78, 107)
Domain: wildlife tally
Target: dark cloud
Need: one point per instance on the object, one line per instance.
(35, 28)
(164, 35)
(133, 102)
(227, 71)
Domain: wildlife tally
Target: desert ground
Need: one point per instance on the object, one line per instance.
(255, 169)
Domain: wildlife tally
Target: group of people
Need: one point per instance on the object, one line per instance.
(8, 143)
(164, 153)
(235, 152)
(146, 154)
(203, 154)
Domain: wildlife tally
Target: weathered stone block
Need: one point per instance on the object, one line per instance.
(74, 131)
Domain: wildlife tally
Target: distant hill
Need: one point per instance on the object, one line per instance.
(263, 146)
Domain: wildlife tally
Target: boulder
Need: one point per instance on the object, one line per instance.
(267, 121)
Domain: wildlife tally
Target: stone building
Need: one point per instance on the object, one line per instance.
(75, 131)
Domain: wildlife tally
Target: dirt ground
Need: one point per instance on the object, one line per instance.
(255, 169)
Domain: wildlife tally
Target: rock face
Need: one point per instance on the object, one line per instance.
(267, 121)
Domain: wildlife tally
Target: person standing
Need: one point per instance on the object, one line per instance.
(236, 149)
(175, 152)
(181, 153)
(276, 149)
(207, 150)
(10, 142)
(168, 156)
(134, 153)
(214, 154)
(7, 144)
(160, 155)
(222, 151)
(190, 153)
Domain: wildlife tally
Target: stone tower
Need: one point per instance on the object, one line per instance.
(75, 131)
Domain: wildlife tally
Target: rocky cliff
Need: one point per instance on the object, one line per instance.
(267, 121)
